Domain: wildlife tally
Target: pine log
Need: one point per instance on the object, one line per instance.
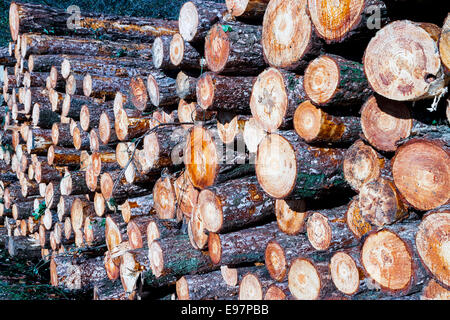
(291, 215)
(164, 197)
(254, 285)
(431, 242)
(111, 290)
(176, 257)
(307, 171)
(403, 80)
(421, 172)
(186, 194)
(161, 90)
(356, 222)
(42, 44)
(80, 139)
(186, 86)
(215, 92)
(90, 115)
(288, 37)
(207, 163)
(209, 286)
(183, 55)
(275, 96)
(316, 126)
(61, 135)
(390, 259)
(310, 279)
(332, 80)
(226, 48)
(94, 231)
(347, 20)
(39, 141)
(104, 87)
(161, 229)
(73, 183)
(385, 122)
(74, 84)
(328, 230)
(118, 190)
(381, 203)
(247, 9)
(75, 272)
(128, 124)
(60, 156)
(363, 164)
(22, 248)
(244, 246)
(43, 63)
(28, 17)
(43, 116)
(217, 205)
(197, 17)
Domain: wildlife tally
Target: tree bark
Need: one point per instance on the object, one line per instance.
(226, 48)
(216, 92)
(35, 18)
(217, 205)
(252, 10)
(314, 172)
(316, 126)
(334, 81)
(243, 246)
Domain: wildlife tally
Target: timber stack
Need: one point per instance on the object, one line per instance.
(252, 149)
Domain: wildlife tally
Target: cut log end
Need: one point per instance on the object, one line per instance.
(186, 113)
(14, 21)
(158, 52)
(112, 270)
(253, 134)
(291, 215)
(276, 166)
(269, 101)
(87, 85)
(308, 121)
(153, 90)
(333, 20)
(176, 49)
(321, 80)
(380, 203)
(319, 231)
(138, 93)
(156, 257)
(205, 91)
(286, 33)
(182, 289)
(355, 221)
(434, 291)
(217, 48)
(344, 273)
(84, 118)
(385, 122)
(106, 186)
(112, 234)
(200, 158)
(104, 128)
(274, 293)
(361, 165)
(229, 275)
(304, 280)
(134, 235)
(250, 288)
(164, 198)
(421, 171)
(228, 130)
(402, 62)
(384, 250)
(210, 210)
(214, 248)
(433, 245)
(275, 261)
(188, 21)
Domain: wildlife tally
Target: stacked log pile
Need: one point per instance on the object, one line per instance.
(237, 153)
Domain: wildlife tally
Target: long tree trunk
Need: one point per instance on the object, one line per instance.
(26, 17)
